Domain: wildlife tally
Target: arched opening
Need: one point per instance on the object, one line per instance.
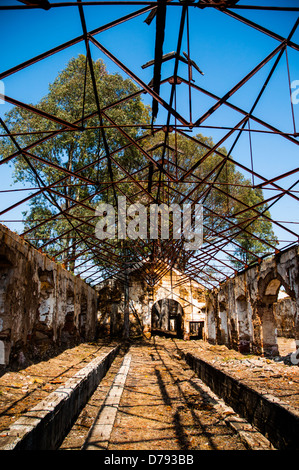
(285, 310)
(167, 317)
(273, 323)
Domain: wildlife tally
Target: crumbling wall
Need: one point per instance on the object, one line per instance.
(244, 311)
(171, 288)
(43, 307)
(189, 294)
(285, 314)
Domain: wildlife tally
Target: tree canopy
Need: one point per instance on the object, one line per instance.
(72, 151)
(105, 155)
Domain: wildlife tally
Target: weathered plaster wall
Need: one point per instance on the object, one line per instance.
(42, 306)
(243, 313)
(189, 294)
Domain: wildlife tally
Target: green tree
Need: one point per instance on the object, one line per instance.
(71, 97)
(225, 193)
(215, 182)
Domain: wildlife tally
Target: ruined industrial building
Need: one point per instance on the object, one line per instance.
(149, 256)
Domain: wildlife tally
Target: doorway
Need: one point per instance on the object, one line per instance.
(167, 317)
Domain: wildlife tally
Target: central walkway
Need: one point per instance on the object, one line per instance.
(157, 404)
(163, 407)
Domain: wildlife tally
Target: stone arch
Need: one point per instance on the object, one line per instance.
(167, 317)
(268, 289)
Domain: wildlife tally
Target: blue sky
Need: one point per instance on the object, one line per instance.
(224, 48)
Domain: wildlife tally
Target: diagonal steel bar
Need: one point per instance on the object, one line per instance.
(138, 80)
(233, 90)
(262, 29)
(212, 150)
(235, 162)
(39, 112)
(242, 111)
(73, 41)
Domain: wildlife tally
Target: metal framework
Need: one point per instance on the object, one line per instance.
(163, 178)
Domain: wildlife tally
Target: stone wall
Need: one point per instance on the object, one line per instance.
(284, 314)
(244, 313)
(43, 307)
(177, 302)
(276, 420)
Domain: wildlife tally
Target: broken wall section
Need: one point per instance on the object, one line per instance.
(245, 312)
(43, 307)
(173, 306)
